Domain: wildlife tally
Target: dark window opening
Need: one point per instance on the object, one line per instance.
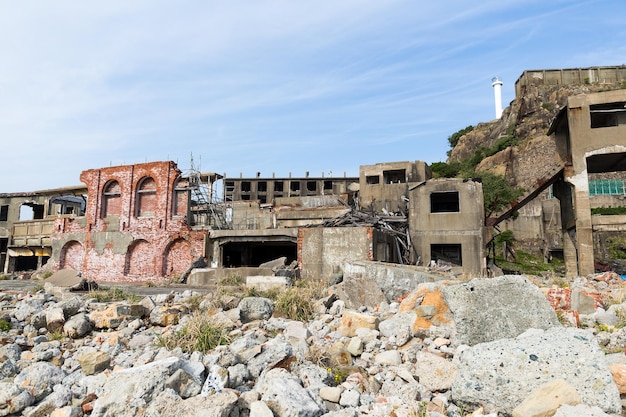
(311, 185)
(245, 186)
(4, 243)
(294, 186)
(230, 186)
(447, 253)
(444, 202)
(607, 114)
(328, 185)
(28, 263)
(372, 180)
(261, 186)
(262, 199)
(238, 254)
(4, 213)
(278, 186)
(395, 176)
(245, 197)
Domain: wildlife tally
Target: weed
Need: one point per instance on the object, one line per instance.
(232, 280)
(56, 335)
(114, 294)
(560, 282)
(36, 289)
(547, 106)
(200, 334)
(295, 304)
(46, 274)
(318, 355)
(5, 325)
(5, 277)
(194, 302)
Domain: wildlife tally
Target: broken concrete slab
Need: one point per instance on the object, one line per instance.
(266, 283)
(275, 263)
(71, 280)
(487, 309)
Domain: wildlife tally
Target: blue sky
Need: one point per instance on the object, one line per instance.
(270, 86)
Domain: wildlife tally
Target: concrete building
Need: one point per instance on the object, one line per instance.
(446, 223)
(385, 186)
(26, 221)
(266, 190)
(591, 135)
(137, 225)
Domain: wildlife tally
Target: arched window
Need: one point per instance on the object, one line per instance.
(180, 200)
(146, 197)
(111, 199)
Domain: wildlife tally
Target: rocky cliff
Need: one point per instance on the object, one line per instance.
(524, 123)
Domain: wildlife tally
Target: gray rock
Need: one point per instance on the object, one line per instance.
(39, 378)
(72, 306)
(55, 319)
(434, 372)
(183, 383)
(133, 388)
(580, 410)
(487, 309)
(350, 398)
(255, 308)
(285, 396)
(273, 352)
(27, 307)
(168, 403)
(505, 372)
(358, 291)
(237, 375)
(216, 380)
(13, 399)
(77, 326)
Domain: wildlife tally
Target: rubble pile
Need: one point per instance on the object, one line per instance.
(487, 347)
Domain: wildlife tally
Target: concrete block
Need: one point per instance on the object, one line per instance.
(266, 283)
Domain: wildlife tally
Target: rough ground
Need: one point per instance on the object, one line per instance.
(511, 345)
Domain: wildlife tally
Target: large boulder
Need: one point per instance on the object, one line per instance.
(487, 309)
(285, 395)
(505, 372)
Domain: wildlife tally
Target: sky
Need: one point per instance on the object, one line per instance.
(272, 86)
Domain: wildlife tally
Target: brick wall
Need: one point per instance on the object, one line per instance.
(147, 239)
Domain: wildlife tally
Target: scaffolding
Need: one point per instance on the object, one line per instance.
(205, 208)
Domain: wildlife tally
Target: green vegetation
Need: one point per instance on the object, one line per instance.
(200, 335)
(453, 139)
(547, 106)
(497, 192)
(114, 294)
(608, 211)
(616, 246)
(295, 304)
(527, 263)
(506, 236)
(5, 277)
(5, 325)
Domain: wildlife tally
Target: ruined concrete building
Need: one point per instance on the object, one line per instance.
(152, 221)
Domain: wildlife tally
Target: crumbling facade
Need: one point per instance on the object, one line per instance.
(446, 223)
(385, 186)
(135, 225)
(591, 132)
(26, 222)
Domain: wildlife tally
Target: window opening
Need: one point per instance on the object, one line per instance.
(394, 176)
(444, 202)
(245, 186)
(372, 180)
(4, 213)
(311, 185)
(278, 186)
(146, 197)
(446, 253)
(607, 114)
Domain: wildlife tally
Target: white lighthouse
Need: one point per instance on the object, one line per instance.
(497, 94)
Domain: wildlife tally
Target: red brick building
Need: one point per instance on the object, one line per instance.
(135, 225)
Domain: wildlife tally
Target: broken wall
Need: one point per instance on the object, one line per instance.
(324, 250)
(133, 229)
(446, 219)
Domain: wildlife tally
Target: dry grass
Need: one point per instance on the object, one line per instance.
(200, 335)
